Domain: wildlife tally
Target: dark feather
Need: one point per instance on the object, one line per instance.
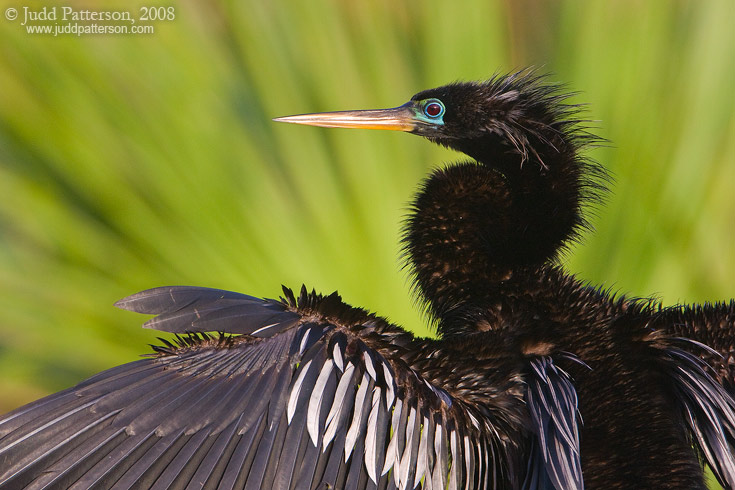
(708, 408)
(167, 299)
(182, 309)
(712, 324)
(552, 404)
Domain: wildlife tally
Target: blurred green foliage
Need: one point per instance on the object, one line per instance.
(133, 161)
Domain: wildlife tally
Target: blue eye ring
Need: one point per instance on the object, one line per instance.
(433, 108)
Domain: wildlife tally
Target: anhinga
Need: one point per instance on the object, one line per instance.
(537, 380)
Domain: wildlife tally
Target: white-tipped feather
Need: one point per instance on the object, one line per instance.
(304, 340)
(473, 420)
(337, 356)
(371, 437)
(440, 465)
(468, 463)
(333, 417)
(294, 397)
(391, 454)
(354, 430)
(263, 329)
(454, 446)
(390, 393)
(406, 456)
(315, 402)
(421, 460)
(481, 470)
(369, 365)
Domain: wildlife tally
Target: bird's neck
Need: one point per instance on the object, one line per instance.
(476, 225)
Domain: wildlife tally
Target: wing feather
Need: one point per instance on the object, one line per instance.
(295, 399)
(162, 300)
(238, 467)
(709, 409)
(552, 404)
(142, 471)
(182, 309)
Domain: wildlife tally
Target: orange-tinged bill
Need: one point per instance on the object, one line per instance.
(396, 119)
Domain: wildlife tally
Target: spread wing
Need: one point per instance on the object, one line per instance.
(310, 394)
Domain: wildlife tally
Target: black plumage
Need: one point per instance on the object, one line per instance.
(309, 392)
(710, 324)
(338, 396)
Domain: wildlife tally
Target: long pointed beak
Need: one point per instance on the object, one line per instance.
(400, 118)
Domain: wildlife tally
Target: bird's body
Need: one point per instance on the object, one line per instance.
(633, 427)
(312, 393)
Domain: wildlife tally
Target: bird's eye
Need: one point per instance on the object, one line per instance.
(433, 108)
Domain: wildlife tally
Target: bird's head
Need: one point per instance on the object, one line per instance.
(514, 115)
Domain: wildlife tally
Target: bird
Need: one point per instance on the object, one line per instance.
(536, 380)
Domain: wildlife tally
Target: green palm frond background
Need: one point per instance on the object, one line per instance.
(133, 161)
